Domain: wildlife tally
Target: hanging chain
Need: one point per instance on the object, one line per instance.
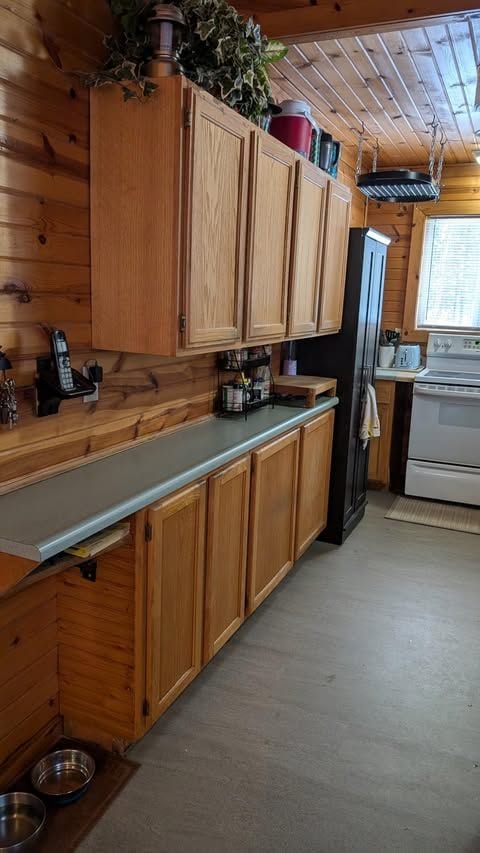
(431, 161)
(358, 165)
(441, 158)
(376, 151)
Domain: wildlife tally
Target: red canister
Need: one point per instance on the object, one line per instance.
(294, 126)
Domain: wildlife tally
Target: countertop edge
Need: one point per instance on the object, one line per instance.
(49, 548)
(392, 374)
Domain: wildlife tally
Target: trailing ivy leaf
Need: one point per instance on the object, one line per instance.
(205, 29)
(221, 49)
(149, 88)
(128, 94)
(249, 78)
(222, 52)
(275, 51)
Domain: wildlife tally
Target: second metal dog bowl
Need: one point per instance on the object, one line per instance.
(64, 775)
(21, 819)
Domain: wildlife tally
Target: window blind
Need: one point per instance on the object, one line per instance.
(449, 289)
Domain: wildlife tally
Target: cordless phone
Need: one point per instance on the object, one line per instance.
(61, 358)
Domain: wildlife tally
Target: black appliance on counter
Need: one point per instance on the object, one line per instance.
(350, 356)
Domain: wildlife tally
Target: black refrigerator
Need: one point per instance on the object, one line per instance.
(350, 356)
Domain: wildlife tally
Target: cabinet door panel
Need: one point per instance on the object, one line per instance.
(379, 448)
(335, 249)
(272, 516)
(269, 240)
(313, 480)
(307, 243)
(175, 586)
(228, 500)
(219, 157)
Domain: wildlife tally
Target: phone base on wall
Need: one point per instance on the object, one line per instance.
(49, 394)
(92, 397)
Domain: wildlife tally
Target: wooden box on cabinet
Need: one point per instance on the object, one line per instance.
(169, 193)
(272, 516)
(334, 266)
(313, 480)
(227, 529)
(175, 592)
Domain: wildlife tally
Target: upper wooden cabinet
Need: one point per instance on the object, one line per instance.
(169, 205)
(269, 239)
(192, 228)
(218, 159)
(307, 246)
(335, 248)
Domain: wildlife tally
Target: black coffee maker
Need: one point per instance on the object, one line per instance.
(329, 154)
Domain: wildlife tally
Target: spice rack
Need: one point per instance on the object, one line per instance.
(251, 390)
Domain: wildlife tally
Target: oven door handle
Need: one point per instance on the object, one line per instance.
(447, 395)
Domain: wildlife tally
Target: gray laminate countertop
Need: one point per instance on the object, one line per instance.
(40, 520)
(398, 374)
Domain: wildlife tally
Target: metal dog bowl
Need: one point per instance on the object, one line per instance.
(21, 820)
(63, 776)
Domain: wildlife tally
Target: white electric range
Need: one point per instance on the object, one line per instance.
(444, 447)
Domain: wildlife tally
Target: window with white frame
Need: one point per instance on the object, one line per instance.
(449, 286)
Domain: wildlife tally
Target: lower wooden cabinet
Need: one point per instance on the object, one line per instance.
(175, 592)
(313, 480)
(379, 450)
(199, 561)
(272, 516)
(227, 529)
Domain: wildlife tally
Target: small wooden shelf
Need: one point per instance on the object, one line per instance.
(310, 386)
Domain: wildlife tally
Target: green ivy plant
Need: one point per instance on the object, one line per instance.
(222, 52)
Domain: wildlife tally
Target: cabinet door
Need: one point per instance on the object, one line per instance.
(313, 480)
(228, 499)
(307, 243)
(175, 587)
(272, 516)
(269, 239)
(218, 158)
(334, 265)
(379, 448)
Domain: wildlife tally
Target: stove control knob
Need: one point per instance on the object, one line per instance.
(437, 343)
(448, 344)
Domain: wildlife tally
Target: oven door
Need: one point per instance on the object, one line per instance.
(445, 424)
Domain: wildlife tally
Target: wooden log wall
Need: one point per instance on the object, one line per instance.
(45, 254)
(396, 221)
(460, 195)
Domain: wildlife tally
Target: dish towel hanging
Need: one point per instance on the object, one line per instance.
(370, 424)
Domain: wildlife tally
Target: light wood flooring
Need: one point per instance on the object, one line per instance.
(343, 716)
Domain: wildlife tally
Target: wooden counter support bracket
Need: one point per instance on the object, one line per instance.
(16, 573)
(13, 570)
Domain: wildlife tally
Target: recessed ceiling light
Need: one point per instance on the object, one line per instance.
(476, 155)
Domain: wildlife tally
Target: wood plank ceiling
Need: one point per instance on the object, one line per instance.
(394, 83)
